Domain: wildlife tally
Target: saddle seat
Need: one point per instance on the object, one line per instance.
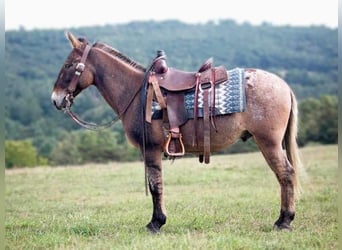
(177, 80)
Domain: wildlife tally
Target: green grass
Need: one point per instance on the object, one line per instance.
(230, 204)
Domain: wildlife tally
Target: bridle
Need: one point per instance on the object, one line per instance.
(80, 67)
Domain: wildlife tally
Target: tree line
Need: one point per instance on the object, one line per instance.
(306, 57)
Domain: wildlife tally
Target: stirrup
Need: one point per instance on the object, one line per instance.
(167, 146)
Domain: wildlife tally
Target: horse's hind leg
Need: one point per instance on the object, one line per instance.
(285, 174)
(155, 181)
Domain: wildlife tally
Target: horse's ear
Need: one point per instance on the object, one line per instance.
(75, 43)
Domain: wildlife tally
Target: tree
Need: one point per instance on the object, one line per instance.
(308, 127)
(328, 119)
(318, 120)
(66, 151)
(86, 146)
(22, 154)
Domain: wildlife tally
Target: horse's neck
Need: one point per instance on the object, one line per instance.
(117, 81)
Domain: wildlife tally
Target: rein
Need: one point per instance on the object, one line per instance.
(143, 111)
(90, 125)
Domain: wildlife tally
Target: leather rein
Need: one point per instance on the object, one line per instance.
(71, 89)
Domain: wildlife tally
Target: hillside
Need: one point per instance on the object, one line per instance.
(306, 57)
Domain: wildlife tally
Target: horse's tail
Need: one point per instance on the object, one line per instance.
(291, 145)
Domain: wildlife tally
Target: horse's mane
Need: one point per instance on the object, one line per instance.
(119, 55)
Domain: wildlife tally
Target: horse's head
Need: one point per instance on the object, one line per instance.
(75, 74)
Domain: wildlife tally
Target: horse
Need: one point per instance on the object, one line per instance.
(270, 118)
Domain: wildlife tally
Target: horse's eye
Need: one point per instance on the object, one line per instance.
(67, 65)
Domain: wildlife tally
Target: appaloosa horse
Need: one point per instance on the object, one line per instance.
(270, 117)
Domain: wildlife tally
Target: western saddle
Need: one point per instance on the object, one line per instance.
(168, 86)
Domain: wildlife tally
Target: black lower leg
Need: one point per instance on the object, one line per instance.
(156, 223)
(284, 221)
(159, 214)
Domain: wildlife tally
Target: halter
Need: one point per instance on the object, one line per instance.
(71, 89)
(79, 70)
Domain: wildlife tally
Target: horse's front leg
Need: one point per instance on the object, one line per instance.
(155, 181)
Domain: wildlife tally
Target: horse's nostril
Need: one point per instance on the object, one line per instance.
(56, 105)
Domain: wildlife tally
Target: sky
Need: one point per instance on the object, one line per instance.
(63, 14)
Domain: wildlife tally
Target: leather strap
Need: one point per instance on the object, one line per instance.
(194, 139)
(158, 93)
(153, 88)
(148, 116)
(79, 69)
(206, 125)
(212, 105)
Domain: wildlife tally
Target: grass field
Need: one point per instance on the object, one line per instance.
(230, 204)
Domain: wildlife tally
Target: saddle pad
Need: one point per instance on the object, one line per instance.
(229, 97)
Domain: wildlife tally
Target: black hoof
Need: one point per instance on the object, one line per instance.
(283, 223)
(282, 227)
(153, 228)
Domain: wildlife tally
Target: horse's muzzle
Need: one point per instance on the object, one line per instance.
(61, 101)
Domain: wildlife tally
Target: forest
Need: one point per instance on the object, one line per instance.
(37, 134)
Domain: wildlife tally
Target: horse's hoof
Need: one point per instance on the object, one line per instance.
(282, 227)
(153, 228)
